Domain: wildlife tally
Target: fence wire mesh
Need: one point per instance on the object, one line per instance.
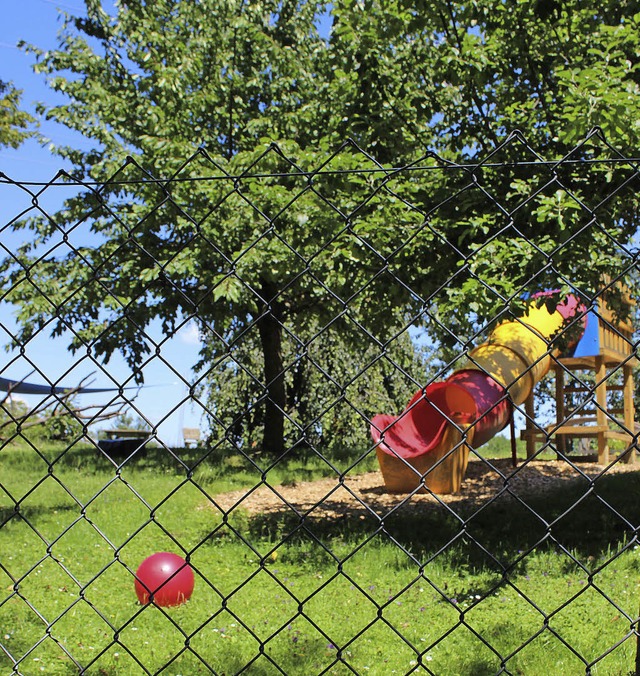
(236, 333)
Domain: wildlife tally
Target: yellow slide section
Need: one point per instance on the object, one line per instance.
(516, 354)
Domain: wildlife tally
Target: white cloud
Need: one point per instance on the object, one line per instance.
(190, 334)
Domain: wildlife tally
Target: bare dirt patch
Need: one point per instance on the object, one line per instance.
(365, 493)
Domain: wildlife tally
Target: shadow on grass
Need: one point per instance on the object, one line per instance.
(590, 521)
(30, 513)
(91, 459)
(221, 463)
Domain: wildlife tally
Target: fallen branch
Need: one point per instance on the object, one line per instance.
(64, 407)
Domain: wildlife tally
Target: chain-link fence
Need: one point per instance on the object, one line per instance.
(251, 345)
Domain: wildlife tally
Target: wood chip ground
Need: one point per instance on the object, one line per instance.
(365, 493)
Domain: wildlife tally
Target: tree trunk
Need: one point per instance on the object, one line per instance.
(270, 328)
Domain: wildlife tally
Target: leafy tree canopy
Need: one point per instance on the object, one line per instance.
(14, 122)
(202, 215)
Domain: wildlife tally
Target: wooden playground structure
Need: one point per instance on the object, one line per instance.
(601, 365)
(426, 447)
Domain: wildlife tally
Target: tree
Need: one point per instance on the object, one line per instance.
(14, 123)
(330, 388)
(210, 124)
(128, 420)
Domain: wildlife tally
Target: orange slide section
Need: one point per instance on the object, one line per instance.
(479, 397)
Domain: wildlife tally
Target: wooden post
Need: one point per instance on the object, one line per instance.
(629, 411)
(530, 411)
(561, 442)
(601, 409)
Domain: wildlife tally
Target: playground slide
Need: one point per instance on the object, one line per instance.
(502, 370)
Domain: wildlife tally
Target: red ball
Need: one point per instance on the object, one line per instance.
(165, 579)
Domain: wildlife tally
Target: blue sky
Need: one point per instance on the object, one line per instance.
(37, 22)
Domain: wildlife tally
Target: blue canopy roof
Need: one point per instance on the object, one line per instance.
(22, 387)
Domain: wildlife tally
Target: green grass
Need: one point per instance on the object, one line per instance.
(382, 596)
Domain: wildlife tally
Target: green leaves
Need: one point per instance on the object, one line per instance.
(14, 123)
(557, 209)
(229, 288)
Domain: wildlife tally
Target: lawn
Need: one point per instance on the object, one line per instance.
(495, 589)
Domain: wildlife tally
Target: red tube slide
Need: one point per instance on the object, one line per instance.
(468, 395)
(501, 371)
